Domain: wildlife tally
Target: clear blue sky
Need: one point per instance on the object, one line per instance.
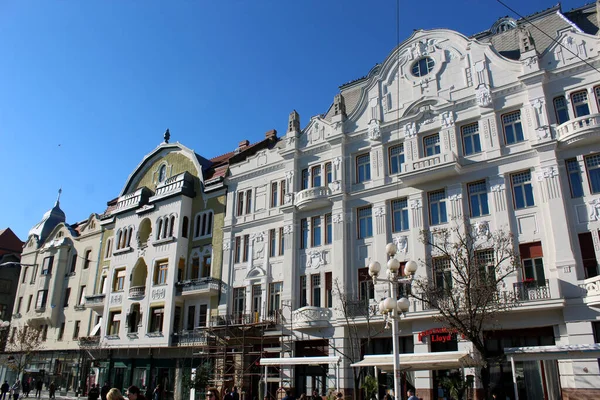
(88, 87)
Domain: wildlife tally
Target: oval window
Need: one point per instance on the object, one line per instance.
(423, 66)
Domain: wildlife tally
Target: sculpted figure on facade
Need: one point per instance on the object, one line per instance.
(410, 130)
(484, 97)
(374, 130)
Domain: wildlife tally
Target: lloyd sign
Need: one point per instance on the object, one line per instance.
(441, 335)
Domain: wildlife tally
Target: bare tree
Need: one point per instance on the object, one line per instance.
(466, 281)
(22, 346)
(352, 307)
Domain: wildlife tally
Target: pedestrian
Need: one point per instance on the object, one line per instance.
(114, 394)
(94, 392)
(157, 394)
(4, 390)
(235, 394)
(229, 396)
(411, 395)
(104, 391)
(303, 396)
(38, 388)
(212, 394)
(16, 389)
(134, 393)
(25, 388)
(288, 395)
(315, 396)
(52, 390)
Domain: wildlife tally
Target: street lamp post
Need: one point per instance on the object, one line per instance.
(391, 305)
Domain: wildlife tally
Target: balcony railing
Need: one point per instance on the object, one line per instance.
(89, 341)
(188, 338)
(591, 290)
(311, 316)
(528, 291)
(136, 292)
(245, 319)
(200, 284)
(95, 299)
(577, 126)
(308, 199)
(437, 166)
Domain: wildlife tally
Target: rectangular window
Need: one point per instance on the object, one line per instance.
(88, 259)
(597, 91)
(588, 254)
(533, 264)
(470, 137)
(44, 332)
(316, 290)
(237, 252)
(24, 277)
(246, 248)
(431, 145)
(443, 273)
(42, 296)
(399, 215)
(592, 164)
(303, 297)
(363, 168)
(274, 197)
(61, 331)
(485, 264)
(191, 318)
(365, 222)
(328, 173)
(522, 190)
(67, 295)
(206, 263)
(157, 315)
(437, 207)
(76, 329)
(47, 265)
(82, 295)
(513, 130)
(305, 178)
(282, 193)
(478, 199)
(114, 323)
(248, 201)
(581, 106)
(281, 241)
(315, 231)
(272, 243)
(328, 229)
(195, 268)
(239, 300)
(396, 155)
(328, 290)
(202, 318)
(160, 273)
(73, 263)
(561, 110)
(29, 302)
(304, 233)
(366, 289)
(256, 300)
(19, 302)
(316, 176)
(575, 180)
(275, 290)
(240, 203)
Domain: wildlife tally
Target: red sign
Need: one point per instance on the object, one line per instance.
(437, 334)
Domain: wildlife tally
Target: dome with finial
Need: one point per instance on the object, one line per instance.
(50, 219)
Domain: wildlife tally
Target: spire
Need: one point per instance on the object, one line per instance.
(167, 136)
(58, 197)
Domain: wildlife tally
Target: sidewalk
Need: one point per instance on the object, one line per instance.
(45, 396)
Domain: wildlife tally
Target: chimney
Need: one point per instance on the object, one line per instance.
(243, 144)
(271, 135)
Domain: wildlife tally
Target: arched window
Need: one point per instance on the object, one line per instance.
(129, 233)
(108, 248)
(171, 226)
(162, 173)
(119, 236)
(203, 222)
(159, 224)
(184, 227)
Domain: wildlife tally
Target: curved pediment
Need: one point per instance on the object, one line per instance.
(571, 47)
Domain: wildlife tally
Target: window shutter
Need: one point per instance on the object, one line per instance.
(531, 250)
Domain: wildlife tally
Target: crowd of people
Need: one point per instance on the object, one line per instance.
(7, 391)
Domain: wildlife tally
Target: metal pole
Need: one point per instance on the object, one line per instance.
(395, 342)
(514, 374)
(266, 383)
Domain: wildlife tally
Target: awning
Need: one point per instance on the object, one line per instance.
(299, 361)
(564, 352)
(419, 361)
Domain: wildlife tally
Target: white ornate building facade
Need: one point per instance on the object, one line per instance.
(499, 130)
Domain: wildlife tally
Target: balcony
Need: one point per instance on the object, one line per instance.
(210, 286)
(89, 341)
(426, 169)
(591, 291)
(137, 292)
(531, 291)
(578, 129)
(190, 338)
(95, 302)
(245, 319)
(309, 199)
(311, 317)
